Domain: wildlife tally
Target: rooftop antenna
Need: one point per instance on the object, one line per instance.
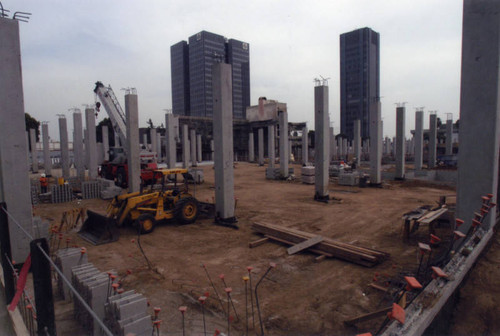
(401, 104)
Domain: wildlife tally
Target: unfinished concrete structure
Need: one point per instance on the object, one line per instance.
(34, 152)
(322, 139)
(432, 140)
(357, 142)
(63, 139)
(284, 145)
(271, 145)
(47, 161)
(145, 141)
(375, 143)
(198, 148)
(170, 122)
(78, 145)
(261, 146)
(449, 136)
(479, 114)
(185, 146)
(133, 155)
(419, 139)
(105, 142)
(251, 150)
(154, 145)
(223, 139)
(192, 142)
(305, 146)
(159, 141)
(400, 141)
(332, 142)
(14, 182)
(91, 142)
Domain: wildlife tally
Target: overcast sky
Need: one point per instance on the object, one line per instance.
(69, 45)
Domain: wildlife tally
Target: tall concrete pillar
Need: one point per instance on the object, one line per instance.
(251, 151)
(78, 146)
(192, 141)
(305, 146)
(432, 140)
(133, 151)
(117, 140)
(479, 113)
(212, 150)
(145, 141)
(271, 146)
(261, 146)
(47, 162)
(284, 146)
(340, 148)
(449, 137)
(345, 148)
(332, 141)
(171, 150)
(419, 139)
(154, 145)
(322, 142)
(185, 146)
(14, 166)
(357, 142)
(375, 143)
(63, 139)
(400, 142)
(92, 143)
(223, 138)
(34, 152)
(105, 142)
(198, 148)
(159, 142)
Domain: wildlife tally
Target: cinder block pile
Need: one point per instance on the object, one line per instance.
(348, 179)
(108, 189)
(61, 193)
(307, 173)
(275, 174)
(65, 260)
(91, 189)
(94, 287)
(35, 190)
(126, 314)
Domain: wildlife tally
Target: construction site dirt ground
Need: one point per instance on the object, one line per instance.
(300, 296)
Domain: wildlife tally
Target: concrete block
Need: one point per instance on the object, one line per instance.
(66, 259)
(307, 171)
(142, 326)
(40, 228)
(307, 179)
(110, 192)
(348, 179)
(197, 175)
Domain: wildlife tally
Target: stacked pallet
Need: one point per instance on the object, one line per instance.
(326, 247)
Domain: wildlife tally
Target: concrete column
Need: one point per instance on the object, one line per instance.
(375, 143)
(345, 149)
(133, 151)
(400, 142)
(223, 138)
(92, 143)
(332, 146)
(432, 140)
(271, 146)
(212, 150)
(63, 138)
(357, 141)
(305, 146)
(185, 146)
(479, 113)
(192, 141)
(34, 152)
(261, 146)
(154, 145)
(198, 148)
(47, 162)
(449, 137)
(340, 148)
(14, 166)
(145, 141)
(159, 144)
(105, 142)
(251, 150)
(284, 147)
(322, 142)
(78, 146)
(171, 150)
(117, 140)
(419, 139)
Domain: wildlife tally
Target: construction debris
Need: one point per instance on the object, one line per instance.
(328, 247)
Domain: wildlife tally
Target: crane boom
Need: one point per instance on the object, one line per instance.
(114, 110)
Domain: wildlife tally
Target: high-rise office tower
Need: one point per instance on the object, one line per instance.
(359, 78)
(191, 66)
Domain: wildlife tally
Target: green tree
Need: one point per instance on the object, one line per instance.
(32, 123)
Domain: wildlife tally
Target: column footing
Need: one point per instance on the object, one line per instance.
(319, 198)
(229, 222)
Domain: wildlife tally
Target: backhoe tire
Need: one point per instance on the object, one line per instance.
(146, 223)
(186, 210)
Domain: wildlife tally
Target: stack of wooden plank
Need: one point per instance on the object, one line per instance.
(326, 247)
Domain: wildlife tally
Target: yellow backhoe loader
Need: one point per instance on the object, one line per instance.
(145, 209)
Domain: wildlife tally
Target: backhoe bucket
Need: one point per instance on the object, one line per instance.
(98, 229)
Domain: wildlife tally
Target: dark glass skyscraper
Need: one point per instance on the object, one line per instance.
(203, 50)
(359, 78)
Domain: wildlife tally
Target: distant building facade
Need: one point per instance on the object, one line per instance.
(191, 68)
(359, 78)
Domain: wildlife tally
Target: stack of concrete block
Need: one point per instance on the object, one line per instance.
(40, 228)
(91, 189)
(65, 260)
(108, 189)
(61, 193)
(34, 189)
(272, 173)
(94, 287)
(348, 179)
(126, 314)
(197, 175)
(335, 170)
(307, 173)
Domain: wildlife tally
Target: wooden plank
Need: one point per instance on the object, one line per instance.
(304, 245)
(432, 216)
(320, 258)
(313, 250)
(369, 316)
(258, 242)
(380, 288)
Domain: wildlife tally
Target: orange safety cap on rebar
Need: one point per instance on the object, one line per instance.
(183, 309)
(475, 223)
(397, 313)
(485, 198)
(438, 272)
(245, 278)
(459, 222)
(202, 299)
(365, 334)
(423, 247)
(458, 235)
(157, 310)
(83, 250)
(221, 276)
(228, 290)
(412, 283)
(435, 239)
(249, 269)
